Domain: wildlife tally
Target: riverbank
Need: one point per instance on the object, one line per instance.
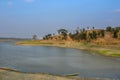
(7, 74)
(105, 50)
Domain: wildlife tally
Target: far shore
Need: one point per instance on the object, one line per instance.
(105, 50)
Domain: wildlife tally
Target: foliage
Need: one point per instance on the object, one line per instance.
(61, 31)
(34, 37)
(86, 35)
(94, 34)
(115, 34)
(109, 28)
(64, 33)
(102, 33)
(48, 36)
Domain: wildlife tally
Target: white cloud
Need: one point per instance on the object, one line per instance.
(29, 1)
(117, 10)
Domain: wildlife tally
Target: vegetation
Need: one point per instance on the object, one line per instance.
(89, 35)
(34, 37)
(63, 32)
(109, 28)
(48, 36)
(102, 41)
(35, 42)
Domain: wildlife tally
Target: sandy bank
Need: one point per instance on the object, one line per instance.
(6, 74)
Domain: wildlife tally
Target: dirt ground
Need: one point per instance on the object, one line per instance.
(13, 75)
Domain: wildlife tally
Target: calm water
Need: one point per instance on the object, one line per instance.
(58, 61)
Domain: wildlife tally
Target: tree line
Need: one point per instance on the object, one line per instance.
(84, 34)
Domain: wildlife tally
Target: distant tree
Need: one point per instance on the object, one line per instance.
(65, 36)
(63, 32)
(34, 37)
(87, 28)
(60, 31)
(102, 33)
(90, 36)
(93, 27)
(77, 30)
(117, 28)
(83, 30)
(53, 34)
(115, 34)
(48, 36)
(79, 35)
(94, 34)
(83, 36)
(113, 29)
(70, 34)
(109, 28)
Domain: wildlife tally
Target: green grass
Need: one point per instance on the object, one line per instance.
(115, 55)
(102, 51)
(35, 42)
(107, 52)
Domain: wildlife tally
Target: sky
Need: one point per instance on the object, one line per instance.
(24, 18)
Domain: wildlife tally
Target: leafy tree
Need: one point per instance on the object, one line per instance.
(72, 36)
(115, 35)
(109, 28)
(83, 35)
(63, 32)
(90, 36)
(94, 34)
(87, 28)
(77, 32)
(117, 28)
(34, 37)
(48, 36)
(60, 31)
(102, 33)
(83, 30)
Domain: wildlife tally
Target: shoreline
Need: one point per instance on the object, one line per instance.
(9, 74)
(96, 49)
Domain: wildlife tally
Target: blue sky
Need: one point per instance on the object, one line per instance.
(23, 18)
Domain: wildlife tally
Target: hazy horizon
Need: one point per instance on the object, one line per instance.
(24, 18)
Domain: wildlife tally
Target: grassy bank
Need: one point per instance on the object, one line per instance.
(106, 50)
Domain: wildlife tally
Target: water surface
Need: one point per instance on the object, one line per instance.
(58, 61)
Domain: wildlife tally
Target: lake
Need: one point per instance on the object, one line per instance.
(59, 61)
